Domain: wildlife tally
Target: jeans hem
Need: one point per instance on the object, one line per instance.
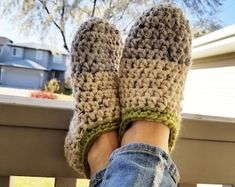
(97, 178)
(151, 150)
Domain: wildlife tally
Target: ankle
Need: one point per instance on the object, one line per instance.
(100, 151)
(152, 133)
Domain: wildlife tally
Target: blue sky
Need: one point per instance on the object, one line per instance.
(227, 14)
(10, 30)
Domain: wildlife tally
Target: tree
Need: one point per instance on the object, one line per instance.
(204, 26)
(43, 16)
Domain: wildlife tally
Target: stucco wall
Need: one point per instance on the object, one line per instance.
(63, 60)
(6, 55)
(31, 55)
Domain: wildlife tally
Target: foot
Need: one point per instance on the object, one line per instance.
(152, 133)
(95, 55)
(153, 69)
(100, 151)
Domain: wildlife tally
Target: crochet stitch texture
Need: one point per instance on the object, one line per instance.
(153, 69)
(95, 57)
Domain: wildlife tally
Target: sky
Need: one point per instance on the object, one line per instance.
(10, 30)
(227, 14)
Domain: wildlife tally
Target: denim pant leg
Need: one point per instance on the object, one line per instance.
(140, 165)
(97, 179)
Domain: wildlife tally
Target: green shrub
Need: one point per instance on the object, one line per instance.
(68, 91)
(54, 86)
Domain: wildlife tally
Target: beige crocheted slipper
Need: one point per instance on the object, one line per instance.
(154, 65)
(95, 57)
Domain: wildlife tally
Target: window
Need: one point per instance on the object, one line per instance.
(57, 59)
(39, 55)
(17, 52)
(1, 49)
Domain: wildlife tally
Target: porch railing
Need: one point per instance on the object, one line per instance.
(32, 133)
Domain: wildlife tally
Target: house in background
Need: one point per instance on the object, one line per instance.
(29, 65)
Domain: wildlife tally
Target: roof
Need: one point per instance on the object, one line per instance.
(61, 67)
(24, 63)
(38, 46)
(4, 40)
(216, 43)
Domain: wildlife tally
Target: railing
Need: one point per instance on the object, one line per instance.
(32, 134)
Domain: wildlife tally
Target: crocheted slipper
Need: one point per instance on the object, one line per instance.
(95, 57)
(154, 65)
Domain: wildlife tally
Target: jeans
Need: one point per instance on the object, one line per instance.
(138, 165)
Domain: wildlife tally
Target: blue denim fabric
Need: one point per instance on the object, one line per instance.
(97, 179)
(138, 165)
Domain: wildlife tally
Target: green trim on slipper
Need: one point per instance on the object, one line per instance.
(165, 117)
(88, 139)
